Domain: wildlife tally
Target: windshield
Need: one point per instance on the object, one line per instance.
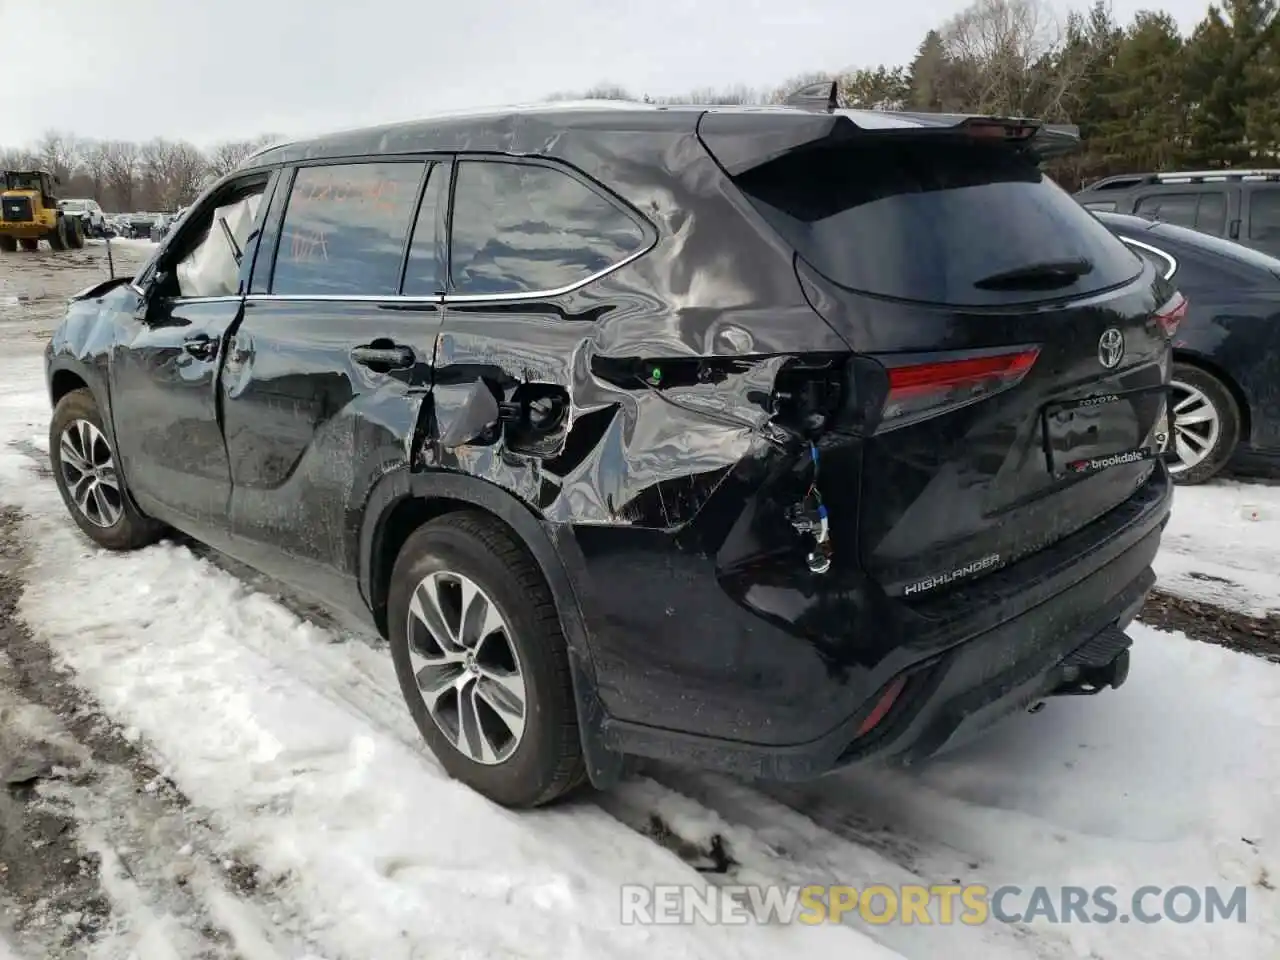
(79, 206)
(933, 220)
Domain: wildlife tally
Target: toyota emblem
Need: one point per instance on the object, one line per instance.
(1111, 348)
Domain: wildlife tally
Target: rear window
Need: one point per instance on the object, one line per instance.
(925, 220)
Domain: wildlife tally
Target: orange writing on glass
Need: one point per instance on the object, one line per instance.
(379, 193)
(306, 246)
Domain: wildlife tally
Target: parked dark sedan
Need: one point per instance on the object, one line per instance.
(1226, 375)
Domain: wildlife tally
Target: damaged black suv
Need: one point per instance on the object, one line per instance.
(766, 440)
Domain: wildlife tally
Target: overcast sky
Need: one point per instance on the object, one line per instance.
(207, 70)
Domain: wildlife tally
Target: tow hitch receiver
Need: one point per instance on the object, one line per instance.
(1100, 663)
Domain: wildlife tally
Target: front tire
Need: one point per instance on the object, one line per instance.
(482, 662)
(1205, 424)
(84, 468)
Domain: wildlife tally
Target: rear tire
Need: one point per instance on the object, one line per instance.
(476, 676)
(58, 236)
(1205, 424)
(75, 233)
(85, 470)
(29, 244)
(8, 244)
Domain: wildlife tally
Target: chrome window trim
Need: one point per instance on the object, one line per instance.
(1167, 258)
(463, 297)
(222, 299)
(341, 298)
(554, 292)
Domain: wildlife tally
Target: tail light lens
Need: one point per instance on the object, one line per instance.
(918, 391)
(1171, 315)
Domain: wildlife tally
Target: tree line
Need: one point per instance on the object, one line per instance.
(159, 175)
(1145, 96)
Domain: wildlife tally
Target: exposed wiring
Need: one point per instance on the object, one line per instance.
(810, 516)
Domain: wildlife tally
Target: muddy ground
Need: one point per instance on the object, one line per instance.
(88, 826)
(86, 823)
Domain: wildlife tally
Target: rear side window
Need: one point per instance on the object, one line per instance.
(1179, 208)
(1205, 211)
(1211, 213)
(525, 228)
(344, 229)
(1264, 215)
(927, 220)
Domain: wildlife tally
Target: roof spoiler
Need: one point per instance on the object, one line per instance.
(741, 141)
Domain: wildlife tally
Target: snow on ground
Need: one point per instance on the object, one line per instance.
(1222, 546)
(313, 768)
(300, 750)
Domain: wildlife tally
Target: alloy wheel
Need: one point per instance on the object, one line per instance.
(1196, 426)
(89, 471)
(466, 667)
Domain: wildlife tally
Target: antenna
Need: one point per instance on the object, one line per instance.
(111, 261)
(822, 95)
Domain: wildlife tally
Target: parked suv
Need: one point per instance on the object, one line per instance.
(1240, 205)
(90, 214)
(765, 440)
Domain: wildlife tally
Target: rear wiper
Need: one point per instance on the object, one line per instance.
(1037, 276)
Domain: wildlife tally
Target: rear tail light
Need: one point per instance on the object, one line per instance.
(1171, 315)
(918, 391)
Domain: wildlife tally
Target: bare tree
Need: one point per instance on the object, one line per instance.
(225, 157)
(58, 153)
(17, 158)
(1008, 55)
(94, 158)
(121, 166)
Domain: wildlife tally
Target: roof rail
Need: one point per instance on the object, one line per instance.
(1189, 176)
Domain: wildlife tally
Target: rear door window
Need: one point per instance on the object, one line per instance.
(345, 228)
(522, 228)
(1264, 215)
(1211, 213)
(1204, 210)
(925, 220)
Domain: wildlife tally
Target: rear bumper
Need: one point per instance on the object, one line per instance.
(690, 669)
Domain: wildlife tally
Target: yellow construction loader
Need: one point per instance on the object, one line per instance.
(29, 213)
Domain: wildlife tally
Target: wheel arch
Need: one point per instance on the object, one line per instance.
(403, 500)
(1201, 362)
(63, 380)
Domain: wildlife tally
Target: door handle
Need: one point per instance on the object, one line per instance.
(200, 345)
(384, 355)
